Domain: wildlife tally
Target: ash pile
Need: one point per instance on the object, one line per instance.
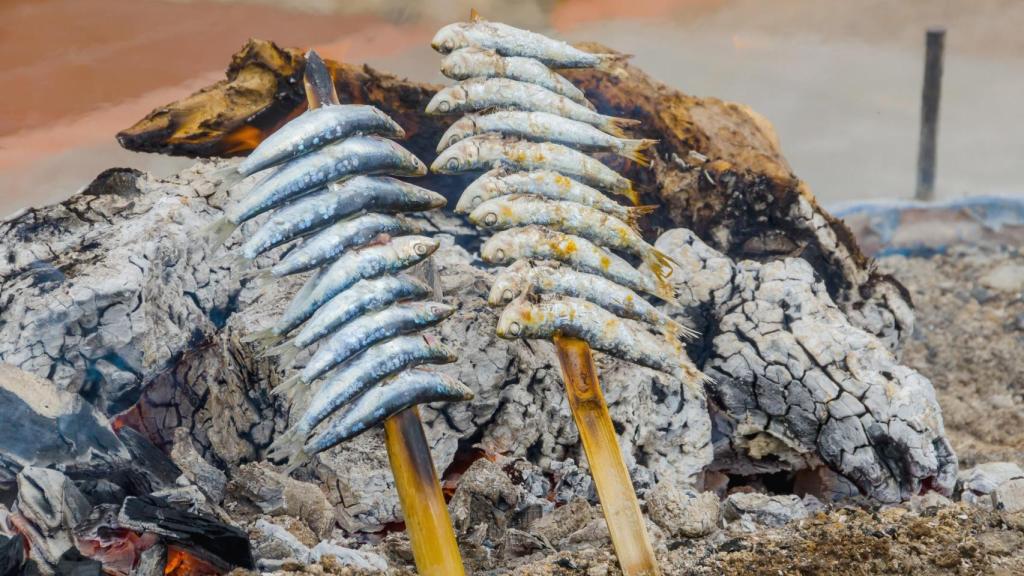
(136, 412)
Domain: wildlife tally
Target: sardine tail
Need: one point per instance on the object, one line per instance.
(289, 386)
(630, 193)
(218, 231)
(676, 331)
(298, 458)
(266, 338)
(638, 151)
(278, 350)
(227, 175)
(610, 62)
(617, 126)
(635, 213)
(287, 445)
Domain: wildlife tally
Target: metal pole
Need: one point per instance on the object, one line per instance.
(935, 40)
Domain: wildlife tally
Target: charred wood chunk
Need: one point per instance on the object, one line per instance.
(154, 514)
(12, 555)
(798, 383)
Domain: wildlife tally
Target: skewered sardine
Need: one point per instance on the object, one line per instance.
(474, 62)
(525, 276)
(536, 242)
(599, 328)
(546, 127)
(510, 41)
(376, 193)
(490, 150)
(478, 94)
(328, 243)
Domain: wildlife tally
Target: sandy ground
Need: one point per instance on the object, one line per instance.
(840, 80)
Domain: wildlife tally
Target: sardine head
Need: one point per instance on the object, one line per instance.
(391, 128)
(462, 128)
(458, 158)
(411, 165)
(514, 321)
(510, 282)
(438, 311)
(491, 214)
(447, 100)
(499, 249)
(451, 37)
(479, 191)
(414, 248)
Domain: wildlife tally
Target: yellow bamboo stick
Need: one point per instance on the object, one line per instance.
(614, 487)
(426, 515)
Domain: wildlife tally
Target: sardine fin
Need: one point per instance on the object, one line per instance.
(638, 151)
(635, 213)
(630, 193)
(474, 16)
(676, 331)
(218, 231)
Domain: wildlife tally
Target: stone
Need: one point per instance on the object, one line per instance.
(271, 541)
(485, 496)
(363, 559)
(1009, 496)
(257, 488)
(212, 481)
(752, 508)
(1006, 277)
(978, 483)
(683, 513)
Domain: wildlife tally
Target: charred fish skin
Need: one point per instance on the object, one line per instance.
(511, 41)
(378, 193)
(365, 331)
(369, 262)
(546, 184)
(365, 297)
(316, 128)
(477, 94)
(415, 386)
(539, 243)
(329, 243)
(338, 161)
(487, 151)
(525, 276)
(546, 127)
(368, 368)
(475, 62)
(601, 329)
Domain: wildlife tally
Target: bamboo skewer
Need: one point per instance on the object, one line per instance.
(426, 515)
(614, 486)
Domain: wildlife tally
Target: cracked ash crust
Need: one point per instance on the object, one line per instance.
(798, 385)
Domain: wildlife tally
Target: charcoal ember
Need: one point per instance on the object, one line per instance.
(160, 471)
(48, 508)
(52, 428)
(12, 555)
(72, 563)
(153, 514)
(795, 383)
(211, 481)
(151, 561)
(101, 536)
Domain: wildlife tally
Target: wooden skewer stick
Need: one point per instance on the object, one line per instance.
(426, 514)
(614, 487)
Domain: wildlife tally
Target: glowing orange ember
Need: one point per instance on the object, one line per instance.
(182, 563)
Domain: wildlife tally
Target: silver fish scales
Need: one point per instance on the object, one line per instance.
(475, 62)
(327, 244)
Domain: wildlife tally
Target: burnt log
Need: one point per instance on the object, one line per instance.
(719, 169)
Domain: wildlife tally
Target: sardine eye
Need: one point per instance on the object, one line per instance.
(499, 254)
(514, 328)
(420, 248)
(444, 106)
(477, 200)
(508, 295)
(435, 310)
(491, 219)
(448, 45)
(452, 164)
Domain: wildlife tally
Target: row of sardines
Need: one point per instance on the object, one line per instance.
(552, 205)
(331, 190)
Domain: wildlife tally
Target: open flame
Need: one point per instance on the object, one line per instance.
(181, 562)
